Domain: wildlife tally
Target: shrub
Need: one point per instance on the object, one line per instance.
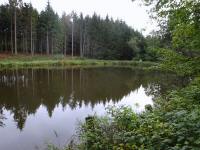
(174, 123)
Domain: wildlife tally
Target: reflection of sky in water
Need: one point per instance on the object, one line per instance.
(58, 129)
(136, 99)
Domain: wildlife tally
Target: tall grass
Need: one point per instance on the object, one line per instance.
(60, 60)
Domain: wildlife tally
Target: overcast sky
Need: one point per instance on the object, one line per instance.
(133, 14)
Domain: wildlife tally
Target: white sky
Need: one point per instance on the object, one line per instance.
(132, 13)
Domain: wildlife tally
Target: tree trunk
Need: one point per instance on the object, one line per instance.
(33, 46)
(65, 45)
(88, 47)
(11, 34)
(23, 43)
(6, 42)
(15, 20)
(31, 38)
(52, 46)
(26, 42)
(41, 46)
(72, 39)
(81, 44)
(47, 42)
(84, 43)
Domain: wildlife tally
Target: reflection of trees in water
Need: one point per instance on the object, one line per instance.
(23, 91)
(2, 117)
(1, 120)
(165, 83)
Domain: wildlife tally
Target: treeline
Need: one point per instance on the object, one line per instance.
(24, 30)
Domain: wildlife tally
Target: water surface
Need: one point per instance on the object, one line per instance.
(40, 106)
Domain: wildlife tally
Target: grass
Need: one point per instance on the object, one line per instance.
(23, 61)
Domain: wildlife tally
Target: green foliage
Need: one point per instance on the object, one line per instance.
(186, 27)
(52, 147)
(138, 45)
(108, 39)
(174, 123)
(177, 62)
(180, 20)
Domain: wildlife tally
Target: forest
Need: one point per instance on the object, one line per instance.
(24, 30)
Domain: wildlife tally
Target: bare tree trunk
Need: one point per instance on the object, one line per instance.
(11, 34)
(33, 46)
(88, 47)
(31, 37)
(47, 42)
(6, 42)
(23, 43)
(52, 46)
(65, 45)
(40, 46)
(15, 20)
(72, 39)
(84, 42)
(81, 44)
(26, 41)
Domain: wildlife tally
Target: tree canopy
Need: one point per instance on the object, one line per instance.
(180, 21)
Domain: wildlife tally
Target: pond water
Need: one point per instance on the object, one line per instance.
(40, 106)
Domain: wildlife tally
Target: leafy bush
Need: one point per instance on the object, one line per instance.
(177, 62)
(174, 124)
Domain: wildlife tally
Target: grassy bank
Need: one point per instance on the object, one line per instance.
(22, 61)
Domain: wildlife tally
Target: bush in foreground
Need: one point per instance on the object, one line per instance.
(174, 124)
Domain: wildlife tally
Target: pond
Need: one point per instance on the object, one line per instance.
(40, 106)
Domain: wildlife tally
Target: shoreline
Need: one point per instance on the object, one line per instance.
(60, 61)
